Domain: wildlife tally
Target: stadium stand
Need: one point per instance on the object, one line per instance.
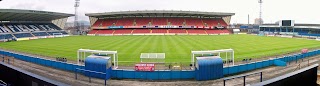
(194, 22)
(123, 31)
(30, 24)
(93, 31)
(177, 31)
(142, 21)
(159, 30)
(23, 35)
(98, 23)
(104, 32)
(125, 22)
(109, 22)
(179, 22)
(159, 21)
(5, 36)
(40, 34)
(176, 21)
(196, 31)
(141, 31)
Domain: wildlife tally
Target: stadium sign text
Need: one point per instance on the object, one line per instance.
(144, 67)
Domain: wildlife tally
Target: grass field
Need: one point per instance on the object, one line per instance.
(177, 48)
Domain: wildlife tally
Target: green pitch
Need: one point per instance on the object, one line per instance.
(176, 48)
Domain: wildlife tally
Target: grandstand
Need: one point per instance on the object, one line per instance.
(18, 24)
(159, 22)
(312, 30)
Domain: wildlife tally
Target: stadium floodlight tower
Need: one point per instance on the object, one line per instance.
(83, 53)
(76, 5)
(229, 54)
(260, 13)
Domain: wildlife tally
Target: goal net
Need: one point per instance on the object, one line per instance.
(152, 58)
(57, 35)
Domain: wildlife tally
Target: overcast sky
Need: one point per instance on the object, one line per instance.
(302, 11)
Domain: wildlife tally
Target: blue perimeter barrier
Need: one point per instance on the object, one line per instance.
(265, 63)
(160, 74)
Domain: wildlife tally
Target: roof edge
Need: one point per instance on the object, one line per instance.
(157, 11)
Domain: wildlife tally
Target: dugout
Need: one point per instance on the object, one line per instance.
(98, 66)
(209, 68)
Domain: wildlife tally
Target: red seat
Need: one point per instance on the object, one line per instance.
(177, 31)
(93, 31)
(176, 21)
(109, 22)
(194, 22)
(159, 21)
(104, 32)
(123, 31)
(159, 30)
(97, 23)
(125, 22)
(141, 31)
(196, 31)
(142, 21)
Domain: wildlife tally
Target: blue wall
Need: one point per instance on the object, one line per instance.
(261, 64)
(155, 75)
(160, 74)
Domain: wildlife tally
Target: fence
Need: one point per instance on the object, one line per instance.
(265, 63)
(155, 75)
(44, 62)
(160, 74)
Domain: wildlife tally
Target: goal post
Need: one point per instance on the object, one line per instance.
(83, 53)
(152, 57)
(229, 55)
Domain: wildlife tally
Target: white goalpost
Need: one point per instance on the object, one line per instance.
(152, 57)
(83, 53)
(229, 55)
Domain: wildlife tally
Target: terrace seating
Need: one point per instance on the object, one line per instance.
(159, 30)
(97, 23)
(93, 31)
(125, 22)
(22, 35)
(64, 32)
(142, 21)
(40, 34)
(210, 22)
(141, 31)
(123, 31)
(196, 31)
(109, 22)
(159, 21)
(222, 22)
(104, 32)
(177, 31)
(13, 28)
(3, 29)
(176, 21)
(6, 36)
(35, 27)
(194, 22)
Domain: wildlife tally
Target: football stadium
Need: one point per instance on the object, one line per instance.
(155, 47)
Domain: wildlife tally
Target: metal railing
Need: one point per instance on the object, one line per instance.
(2, 83)
(78, 69)
(244, 77)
